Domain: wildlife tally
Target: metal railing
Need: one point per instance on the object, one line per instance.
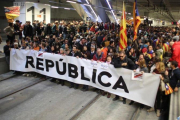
(174, 112)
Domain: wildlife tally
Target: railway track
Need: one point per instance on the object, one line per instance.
(17, 85)
(82, 106)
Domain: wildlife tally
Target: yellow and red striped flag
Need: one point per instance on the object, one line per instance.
(166, 47)
(129, 22)
(123, 30)
(137, 19)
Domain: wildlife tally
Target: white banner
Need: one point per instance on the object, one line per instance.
(142, 89)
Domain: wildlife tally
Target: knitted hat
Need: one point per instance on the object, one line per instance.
(144, 50)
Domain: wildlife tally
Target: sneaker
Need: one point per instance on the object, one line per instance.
(43, 78)
(25, 74)
(124, 101)
(116, 98)
(53, 80)
(58, 82)
(158, 113)
(141, 106)
(71, 86)
(14, 72)
(131, 102)
(109, 95)
(104, 93)
(62, 83)
(150, 110)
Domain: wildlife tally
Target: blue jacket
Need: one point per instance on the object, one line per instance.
(174, 78)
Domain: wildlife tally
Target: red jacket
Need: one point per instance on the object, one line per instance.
(100, 58)
(176, 53)
(92, 29)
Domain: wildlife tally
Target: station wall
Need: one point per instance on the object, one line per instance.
(160, 23)
(62, 14)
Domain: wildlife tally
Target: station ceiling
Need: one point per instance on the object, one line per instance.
(164, 10)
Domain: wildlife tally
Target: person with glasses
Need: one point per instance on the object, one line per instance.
(123, 62)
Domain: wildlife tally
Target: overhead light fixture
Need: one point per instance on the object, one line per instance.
(92, 9)
(47, 4)
(86, 4)
(129, 13)
(67, 8)
(71, 1)
(112, 11)
(54, 7)
(87, 1)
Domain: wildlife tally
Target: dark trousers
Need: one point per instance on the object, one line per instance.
(11, 38)
(85, 87)
(124, 99)
(158, 100)
(165, 102)
(74, 84)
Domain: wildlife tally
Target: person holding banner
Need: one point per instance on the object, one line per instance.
(123, 62)
(109, 61)
(160, 69)
(76, 54)
(99, 57)
(143, 69)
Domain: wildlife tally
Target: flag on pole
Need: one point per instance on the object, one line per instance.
(123, 31)
(12, 12)
(129, 22)
(137, 19)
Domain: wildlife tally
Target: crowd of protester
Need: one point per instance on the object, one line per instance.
(156, 50)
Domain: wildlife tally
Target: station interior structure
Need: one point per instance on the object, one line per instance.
(28, 98)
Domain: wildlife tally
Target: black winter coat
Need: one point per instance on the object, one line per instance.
(174, 78)
(118, 63)
(28, 30)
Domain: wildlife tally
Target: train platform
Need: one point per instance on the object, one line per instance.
(30, 98)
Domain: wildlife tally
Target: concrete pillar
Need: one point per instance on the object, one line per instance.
(31, 10)
(100, 11)
(85, 11)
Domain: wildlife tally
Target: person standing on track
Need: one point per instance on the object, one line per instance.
(123, 62)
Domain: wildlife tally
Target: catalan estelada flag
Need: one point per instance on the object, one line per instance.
(155, 42)
(123, 30)
(168, 89)
(12, 12)
(136, 19)
(166, 47)
(149, 55)
(129, 22)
